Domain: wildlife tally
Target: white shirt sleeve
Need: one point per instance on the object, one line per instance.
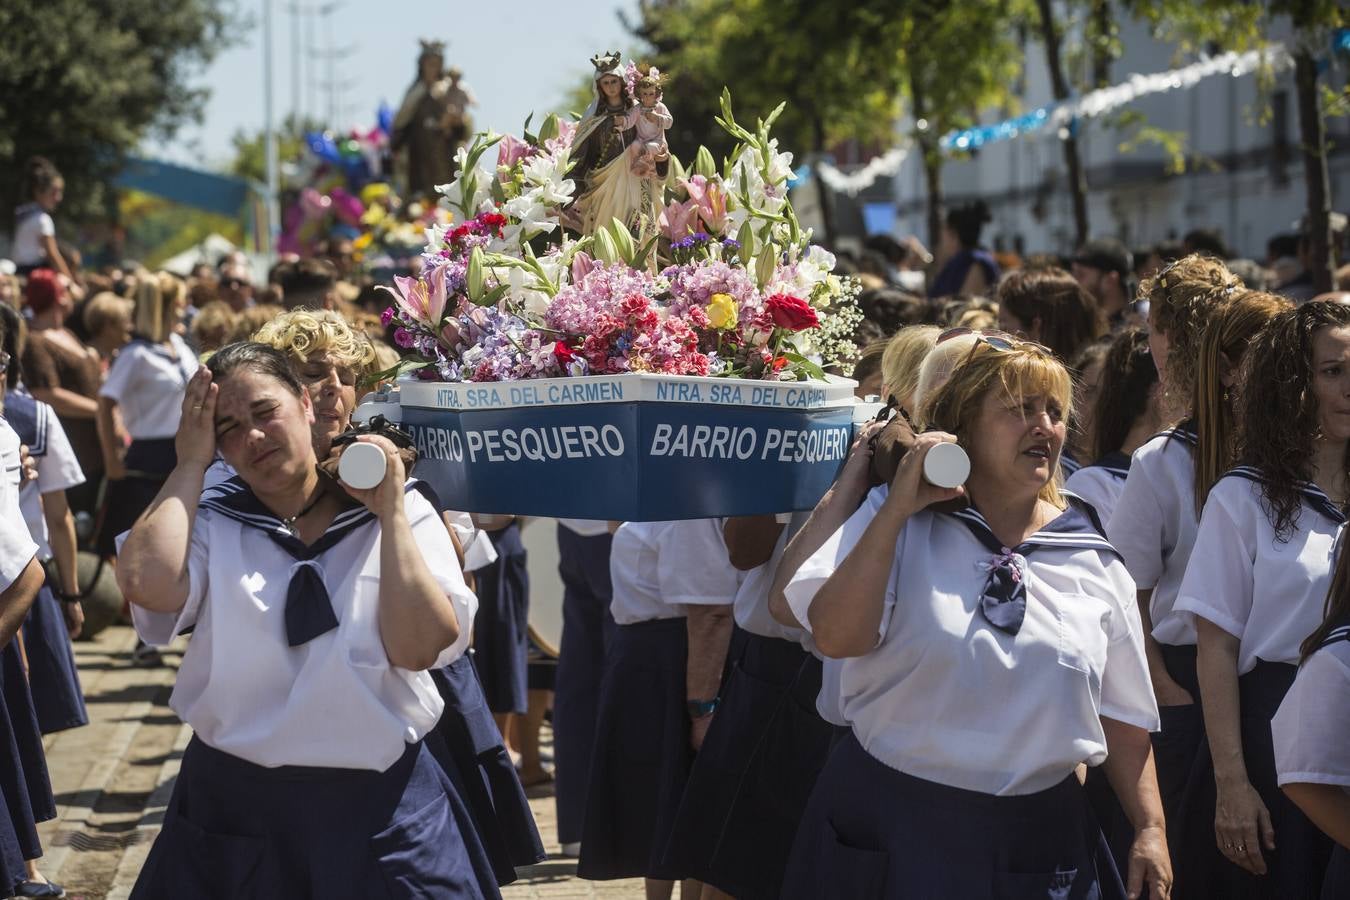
(1137, 525)
(1219, 579)
(817, 569)
(160, 628)
(1313, 722)
(122, 373)
(692, 566)
(1127, 690)
(59, 469)
(46, 227)
(16, 550)
(433, 540)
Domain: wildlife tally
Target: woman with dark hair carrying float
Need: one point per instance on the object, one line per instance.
(988, 651)
(313, 624)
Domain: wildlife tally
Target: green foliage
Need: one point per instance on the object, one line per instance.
(250, 150)
(83, 82)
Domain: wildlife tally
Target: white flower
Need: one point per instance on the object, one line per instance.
(821, 258)
(530, 211)
(546, 172)
(779, 169)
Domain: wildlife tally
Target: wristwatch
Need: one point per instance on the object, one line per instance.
(700, 708)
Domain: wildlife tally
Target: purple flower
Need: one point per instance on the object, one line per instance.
(403, 338)
(387, 316)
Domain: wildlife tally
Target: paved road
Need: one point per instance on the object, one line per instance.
(113, 777)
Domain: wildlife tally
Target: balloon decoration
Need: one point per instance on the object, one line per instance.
(344, 193)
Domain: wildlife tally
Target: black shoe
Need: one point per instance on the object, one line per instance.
(39, 889)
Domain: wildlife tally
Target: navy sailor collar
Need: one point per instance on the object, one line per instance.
(1115, 462)
(1185, 432)
(1072, 529)
(1313, 495)
(28, 420)
(235, 500)
(1338, 633)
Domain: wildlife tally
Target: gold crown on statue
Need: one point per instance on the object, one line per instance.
(606, 63)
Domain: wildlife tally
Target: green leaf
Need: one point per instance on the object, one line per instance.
(746, 238)
(474, 276)
(766, 265)
(605, 251)
(773, 116)
(623, 240)
(640, 258)
(704, 164)
(549, 130)
(677, 173)
(404, 365)
(492, 297)
(805, 365)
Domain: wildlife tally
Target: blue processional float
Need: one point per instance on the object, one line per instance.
(607, 334)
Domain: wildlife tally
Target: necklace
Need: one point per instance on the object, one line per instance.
(290, 521)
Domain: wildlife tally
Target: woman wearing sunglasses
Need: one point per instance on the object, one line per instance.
(987, 652)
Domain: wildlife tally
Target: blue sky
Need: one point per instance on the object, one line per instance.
(518, 56)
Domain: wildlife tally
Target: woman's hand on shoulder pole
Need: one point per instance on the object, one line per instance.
(910, 492)
(386, 498)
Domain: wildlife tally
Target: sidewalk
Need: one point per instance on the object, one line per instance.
(113, 777)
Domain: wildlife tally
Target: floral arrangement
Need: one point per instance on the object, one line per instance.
(728, 285)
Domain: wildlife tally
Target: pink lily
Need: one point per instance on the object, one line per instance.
(678, 219)
(582, 264)
(421, 298)
(511, 151)
(707, 198)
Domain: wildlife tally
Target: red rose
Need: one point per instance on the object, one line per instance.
(564, 353)
(792, 313)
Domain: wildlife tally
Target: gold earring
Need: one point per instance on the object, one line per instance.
(1225, 395)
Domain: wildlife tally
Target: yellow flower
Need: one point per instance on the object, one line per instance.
(722, 311)
(374, 191)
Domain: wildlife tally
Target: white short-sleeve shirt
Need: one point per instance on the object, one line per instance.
(28, 234)
(751, 608)
(1153, 527)
(333, 701)
(17, 548)
(147, 381)
(1101, 483)
(947, 697)
(1312, 727)
(57, 470)
(658, 568)
(813, 573)
(1268, 593)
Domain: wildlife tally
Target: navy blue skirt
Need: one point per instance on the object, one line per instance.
(871, 831)
(1185, 783)
(642, 755)
(234, 830)
(148, 464)
(467, 743)
(1337, 883)
(501, 629)
(52, 674)
(1296, 867)
(587, 632)
(23, 766)
(755, 689)
(12, 871)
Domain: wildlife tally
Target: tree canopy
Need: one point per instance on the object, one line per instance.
(83, 82)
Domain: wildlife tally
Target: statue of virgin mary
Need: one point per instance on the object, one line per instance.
(607, 188)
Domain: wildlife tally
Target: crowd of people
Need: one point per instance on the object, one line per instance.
(1111, 663)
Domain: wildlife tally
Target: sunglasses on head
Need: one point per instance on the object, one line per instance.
(998, 340)
(233, 282)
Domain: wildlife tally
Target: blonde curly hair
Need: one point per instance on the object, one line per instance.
(302, 333)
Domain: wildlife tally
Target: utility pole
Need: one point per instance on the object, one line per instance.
(269, 129)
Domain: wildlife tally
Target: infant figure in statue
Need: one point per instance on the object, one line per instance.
(650, 118)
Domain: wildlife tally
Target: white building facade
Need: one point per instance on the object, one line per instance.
(1244, 176)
